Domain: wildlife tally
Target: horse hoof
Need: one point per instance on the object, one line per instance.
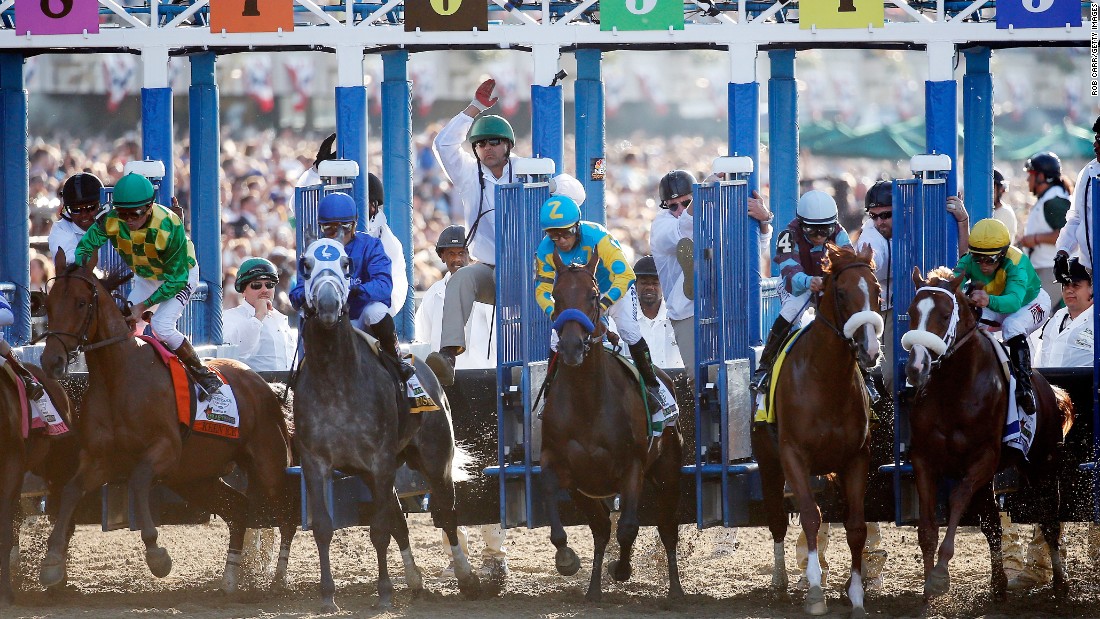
(593, 596)
(329, 607)
(613, 568)
(938, 582)
(858, 613)
(470, 586)
(676, 592)
(566, 561)
(52, 572)
(7, 597)
(160, 564)
(815, 602)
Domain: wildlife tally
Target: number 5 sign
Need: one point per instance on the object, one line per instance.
(56, 16)
(1038, 13)
(641, 14)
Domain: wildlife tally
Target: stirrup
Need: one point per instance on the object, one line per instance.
(759, 383)
(34, 389)
(206, 382)
(871, 391)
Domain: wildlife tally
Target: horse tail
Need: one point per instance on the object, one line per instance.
(461, 463)
(1065, 409)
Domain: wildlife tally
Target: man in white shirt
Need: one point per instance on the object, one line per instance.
(876, 232)
(262, 334)
(1047, 217)
(481, 353)
(670, 239)
(1002, 211)
(379, 229)
(653, 320)
(1066, 341)
(1077, 233)
(80, 208)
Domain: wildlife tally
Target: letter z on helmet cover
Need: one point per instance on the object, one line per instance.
(816, 208)
(559, 212)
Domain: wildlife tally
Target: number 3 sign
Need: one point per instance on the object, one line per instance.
(56, 16)
(1038, 13)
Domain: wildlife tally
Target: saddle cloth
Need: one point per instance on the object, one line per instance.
(660, 407)
(419, 400)
(1019, 426)
(765, 406)
(39, 414)
(216, 416)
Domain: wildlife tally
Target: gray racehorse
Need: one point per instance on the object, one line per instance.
(350, 416)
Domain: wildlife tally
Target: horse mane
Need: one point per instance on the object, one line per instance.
(941, 273)
(836, 258)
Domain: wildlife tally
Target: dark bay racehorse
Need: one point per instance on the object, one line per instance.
(350, 416)
(958, 419)
(822, 411)
(595, 438)
(53, 459)
(129, 428)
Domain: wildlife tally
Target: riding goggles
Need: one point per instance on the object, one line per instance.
(675, 206)
(821, 230)
(333, 228)
(131, 214)
(986, 258)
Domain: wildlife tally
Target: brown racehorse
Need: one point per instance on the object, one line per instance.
(129, 428)
(822, 411)
(957, 420)
(595, 438)
(53, 459)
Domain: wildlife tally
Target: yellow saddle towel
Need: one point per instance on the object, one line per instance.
(765, 407)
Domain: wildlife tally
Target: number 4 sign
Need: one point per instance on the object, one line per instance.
(1038, 13)
(56, 16)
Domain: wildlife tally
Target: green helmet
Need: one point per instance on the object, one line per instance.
(255, 268)
(132, 191)
(491, 126)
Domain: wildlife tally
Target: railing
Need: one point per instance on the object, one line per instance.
(769, 302)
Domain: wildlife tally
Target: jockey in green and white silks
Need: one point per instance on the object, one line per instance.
(575, 242)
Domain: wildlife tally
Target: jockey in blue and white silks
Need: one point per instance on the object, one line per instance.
(34, 388)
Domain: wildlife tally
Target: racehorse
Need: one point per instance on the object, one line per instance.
(129, 427)
(957, 420)
(52, 459)
(823, 419)
(350, 415)
(596, 435)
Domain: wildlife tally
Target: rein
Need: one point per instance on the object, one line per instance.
(853, 346)
(592, 326)
(951, 344)
(83, 344)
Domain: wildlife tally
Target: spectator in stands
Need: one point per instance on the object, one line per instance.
(261, 333)
(1047, 217)
(653, 320)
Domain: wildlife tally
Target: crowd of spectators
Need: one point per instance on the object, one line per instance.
(258, 174)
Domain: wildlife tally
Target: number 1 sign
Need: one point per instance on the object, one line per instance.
(251, 15)
(56, 16)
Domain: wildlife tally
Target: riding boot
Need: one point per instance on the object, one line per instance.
(639, 352)
(1021, 362)
(442, 364)
(33, 387)
(386, 332)
(208, 381)
(869, 382)
(781, 328)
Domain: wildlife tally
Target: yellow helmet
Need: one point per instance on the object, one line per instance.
(989, 236)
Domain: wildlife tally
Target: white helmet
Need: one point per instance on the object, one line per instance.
(566, 185)
(816, 208)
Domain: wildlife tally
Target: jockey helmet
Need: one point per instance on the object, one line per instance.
(989, 236)
(79, 190)
(880, 194)
(337, 206)
(566, 185)
(645, 266)
(999, 179)
(816, 208)
(132, 191)
(255, 268)
(491, 126)
(1046, 165)
(452, 237)
(376, 193)
(559, 212)
(675, 184)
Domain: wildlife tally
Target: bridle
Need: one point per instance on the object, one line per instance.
(945, 346)
(83, 344)
(857, 319)
(591, 324)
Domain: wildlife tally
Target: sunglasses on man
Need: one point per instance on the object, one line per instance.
(261, 285)
(489, 142)
(337, 227)
(564, 233)
(84, 209)
(131, 214)
(883, 216)
(675, 206)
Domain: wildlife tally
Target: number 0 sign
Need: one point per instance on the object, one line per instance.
(56, 16)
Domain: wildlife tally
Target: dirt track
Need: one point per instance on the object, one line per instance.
(108, 579)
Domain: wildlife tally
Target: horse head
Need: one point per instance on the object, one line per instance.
(75, 309)
(576, 308)
(934, 321)
(326, 270)
(854, 290)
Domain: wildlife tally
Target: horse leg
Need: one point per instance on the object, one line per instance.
(445, 517)
(599, 522)
(565, 560)
(141, 485)
(855, 487)
(216, 496)
(627, 529)
(11, 480)
(765, 449)
(810, 515)
(91, 474)
(413, 576)
(1051, 525)
(268, 490)
(316, 474)
(928, 532)
(382, 528)
(989, 518)
(666, 474)
(981, 470)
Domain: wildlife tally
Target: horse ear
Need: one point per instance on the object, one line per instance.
(92, 262)
(59, 261)
(558, 264)
(867, 254)
(593, 262)
(956, 281)
(918, 281)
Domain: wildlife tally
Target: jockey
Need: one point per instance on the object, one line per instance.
(575, 240)
(80, 208)
(1004, 284)
(799, 252)
(152, 241)
(34, 388)
(371, 286)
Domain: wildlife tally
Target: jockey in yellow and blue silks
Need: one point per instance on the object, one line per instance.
(575, 242)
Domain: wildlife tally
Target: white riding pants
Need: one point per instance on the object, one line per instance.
(167, 313)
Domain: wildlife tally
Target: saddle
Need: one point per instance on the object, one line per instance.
(48, 418)
(418, 399)
(655, 420)
(219, 417)
(765, 405)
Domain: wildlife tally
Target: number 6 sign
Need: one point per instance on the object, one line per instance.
(1038, 13)
(56, 16)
